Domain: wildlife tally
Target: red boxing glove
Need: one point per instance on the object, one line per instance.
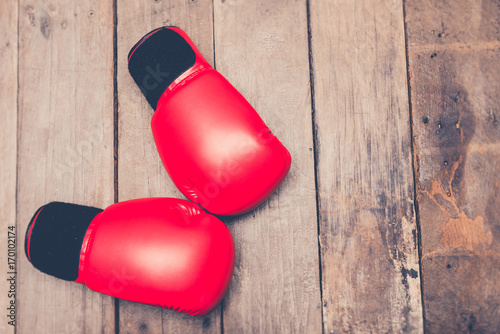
(159, 251)
(214, 145)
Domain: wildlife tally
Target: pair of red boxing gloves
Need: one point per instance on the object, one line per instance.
(165, 251)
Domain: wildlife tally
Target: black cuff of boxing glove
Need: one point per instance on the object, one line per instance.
(55, 236)
(157, 59)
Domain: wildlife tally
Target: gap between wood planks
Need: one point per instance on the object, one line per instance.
(115, 133)
(315, 141)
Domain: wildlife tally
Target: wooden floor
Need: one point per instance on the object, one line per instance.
(389, 220)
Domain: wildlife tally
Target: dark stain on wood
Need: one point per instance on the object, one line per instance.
(389, 218)
(405, 273)
(415, 241)
(449, 305)
(456, 128)
(206, 323)
(45, 26)
(31, 15)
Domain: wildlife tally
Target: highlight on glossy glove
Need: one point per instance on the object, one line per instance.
(160, 251)
(213, 144)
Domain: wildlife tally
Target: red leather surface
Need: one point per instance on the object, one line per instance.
(159, 251)
(214, 145)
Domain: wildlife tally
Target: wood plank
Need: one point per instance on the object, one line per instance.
(65, 146)
(140, 171)
(261, 47)
(370, 267)
(454, 62)
(8, 157)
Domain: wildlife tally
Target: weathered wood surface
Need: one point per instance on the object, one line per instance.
(140, 171)
(261, 47)
(65, 139)
(370, 267)
(454, 63)
(57, 117)
(8, 152)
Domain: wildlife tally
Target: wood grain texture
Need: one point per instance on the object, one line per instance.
(8, 153)
(65, 146)
(140, 171)
(370, 267)
(261, 48)
(454, 63)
